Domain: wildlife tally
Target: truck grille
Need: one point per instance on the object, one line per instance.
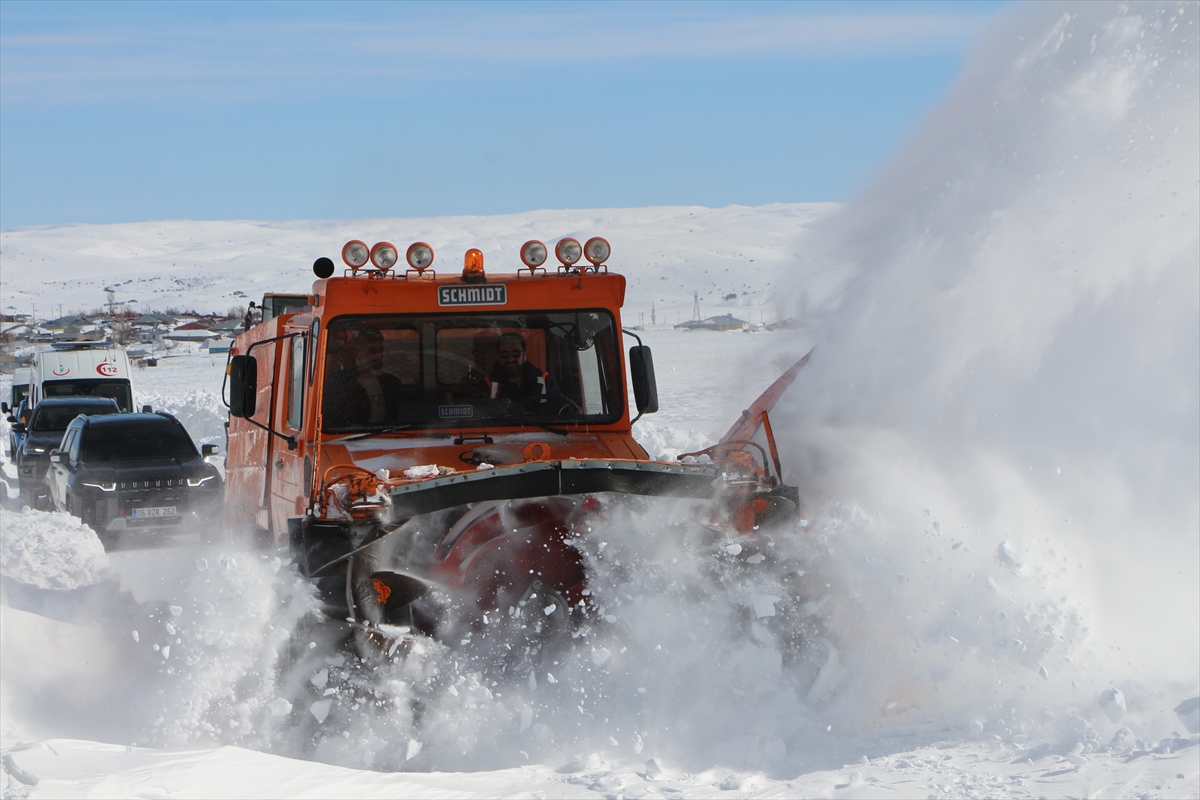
(150, 483)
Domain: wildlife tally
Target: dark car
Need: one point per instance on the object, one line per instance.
(127, 472)
(43, 433)
(20, 414)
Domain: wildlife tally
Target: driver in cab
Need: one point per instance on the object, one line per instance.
(359, 393)
(516, 380)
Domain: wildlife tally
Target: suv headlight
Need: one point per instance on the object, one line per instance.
(37, 451)
(194, 482)
(110, 486)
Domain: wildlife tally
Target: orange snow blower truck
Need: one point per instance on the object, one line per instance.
(428, 445)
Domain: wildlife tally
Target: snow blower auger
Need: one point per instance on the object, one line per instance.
(428, 445)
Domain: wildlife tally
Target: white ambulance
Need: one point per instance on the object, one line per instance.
(82, 370)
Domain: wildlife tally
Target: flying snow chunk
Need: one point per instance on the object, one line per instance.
(1006, 556)
(320, 710)
(1113, 703)
(764, 605)
(1189, 713)
(600, 655)
(320, 679)
(279, 707)
(414, 747)
(526, 718)
(422, 472)
(1124, 739)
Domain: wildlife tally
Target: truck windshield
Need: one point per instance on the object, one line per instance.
(135, 442)
(116, 389)
(460, 370)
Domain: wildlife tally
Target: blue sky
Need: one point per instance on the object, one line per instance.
(114, 112)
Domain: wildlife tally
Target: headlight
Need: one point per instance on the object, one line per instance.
(597, 250)
(194, 482)
(355, 253)
(37, 451)
(533, 254)
(419, 256)
(384, 256)
(568, 251)
(104, 487)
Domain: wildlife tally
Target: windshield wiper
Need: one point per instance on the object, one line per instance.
(355, 437)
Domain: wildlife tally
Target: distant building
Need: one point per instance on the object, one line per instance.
(725, 322)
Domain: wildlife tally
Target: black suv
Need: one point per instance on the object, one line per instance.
(43, 433)
(126, 472)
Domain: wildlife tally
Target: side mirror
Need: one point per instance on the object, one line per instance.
(56, 456)
(146, 409)
(4, 407)
(11, 419)
(243, 386)
(641, 373)
(18, 427)
(207, 450)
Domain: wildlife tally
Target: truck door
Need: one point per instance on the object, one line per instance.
(248, 460)
(288, 485)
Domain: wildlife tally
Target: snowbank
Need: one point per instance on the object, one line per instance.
(50, 551)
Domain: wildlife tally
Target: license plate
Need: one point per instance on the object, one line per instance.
(144, 513)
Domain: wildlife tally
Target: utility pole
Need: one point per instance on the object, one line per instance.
(653, 315)
(696, 306)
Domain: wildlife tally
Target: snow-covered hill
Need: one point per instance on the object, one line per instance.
(667, 254)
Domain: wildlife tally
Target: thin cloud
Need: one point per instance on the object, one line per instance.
(140, 55)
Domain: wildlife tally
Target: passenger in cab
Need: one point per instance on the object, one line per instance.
(358, 393)
(521, 383)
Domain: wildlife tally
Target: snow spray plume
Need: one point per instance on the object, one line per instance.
(998, 434)
(694, 649)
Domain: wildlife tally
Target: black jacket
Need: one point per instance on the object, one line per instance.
(347, 404)
(538, 392)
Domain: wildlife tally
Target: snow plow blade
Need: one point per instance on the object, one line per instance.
(551, 478)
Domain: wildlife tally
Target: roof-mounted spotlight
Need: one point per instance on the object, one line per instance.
(473, 266)
(419, 256)
(534, 254)
(384, 256)
(356, 254)
(596, 250)
(568, 251)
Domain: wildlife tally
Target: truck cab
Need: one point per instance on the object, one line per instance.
(19, 390)
(408, 372)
